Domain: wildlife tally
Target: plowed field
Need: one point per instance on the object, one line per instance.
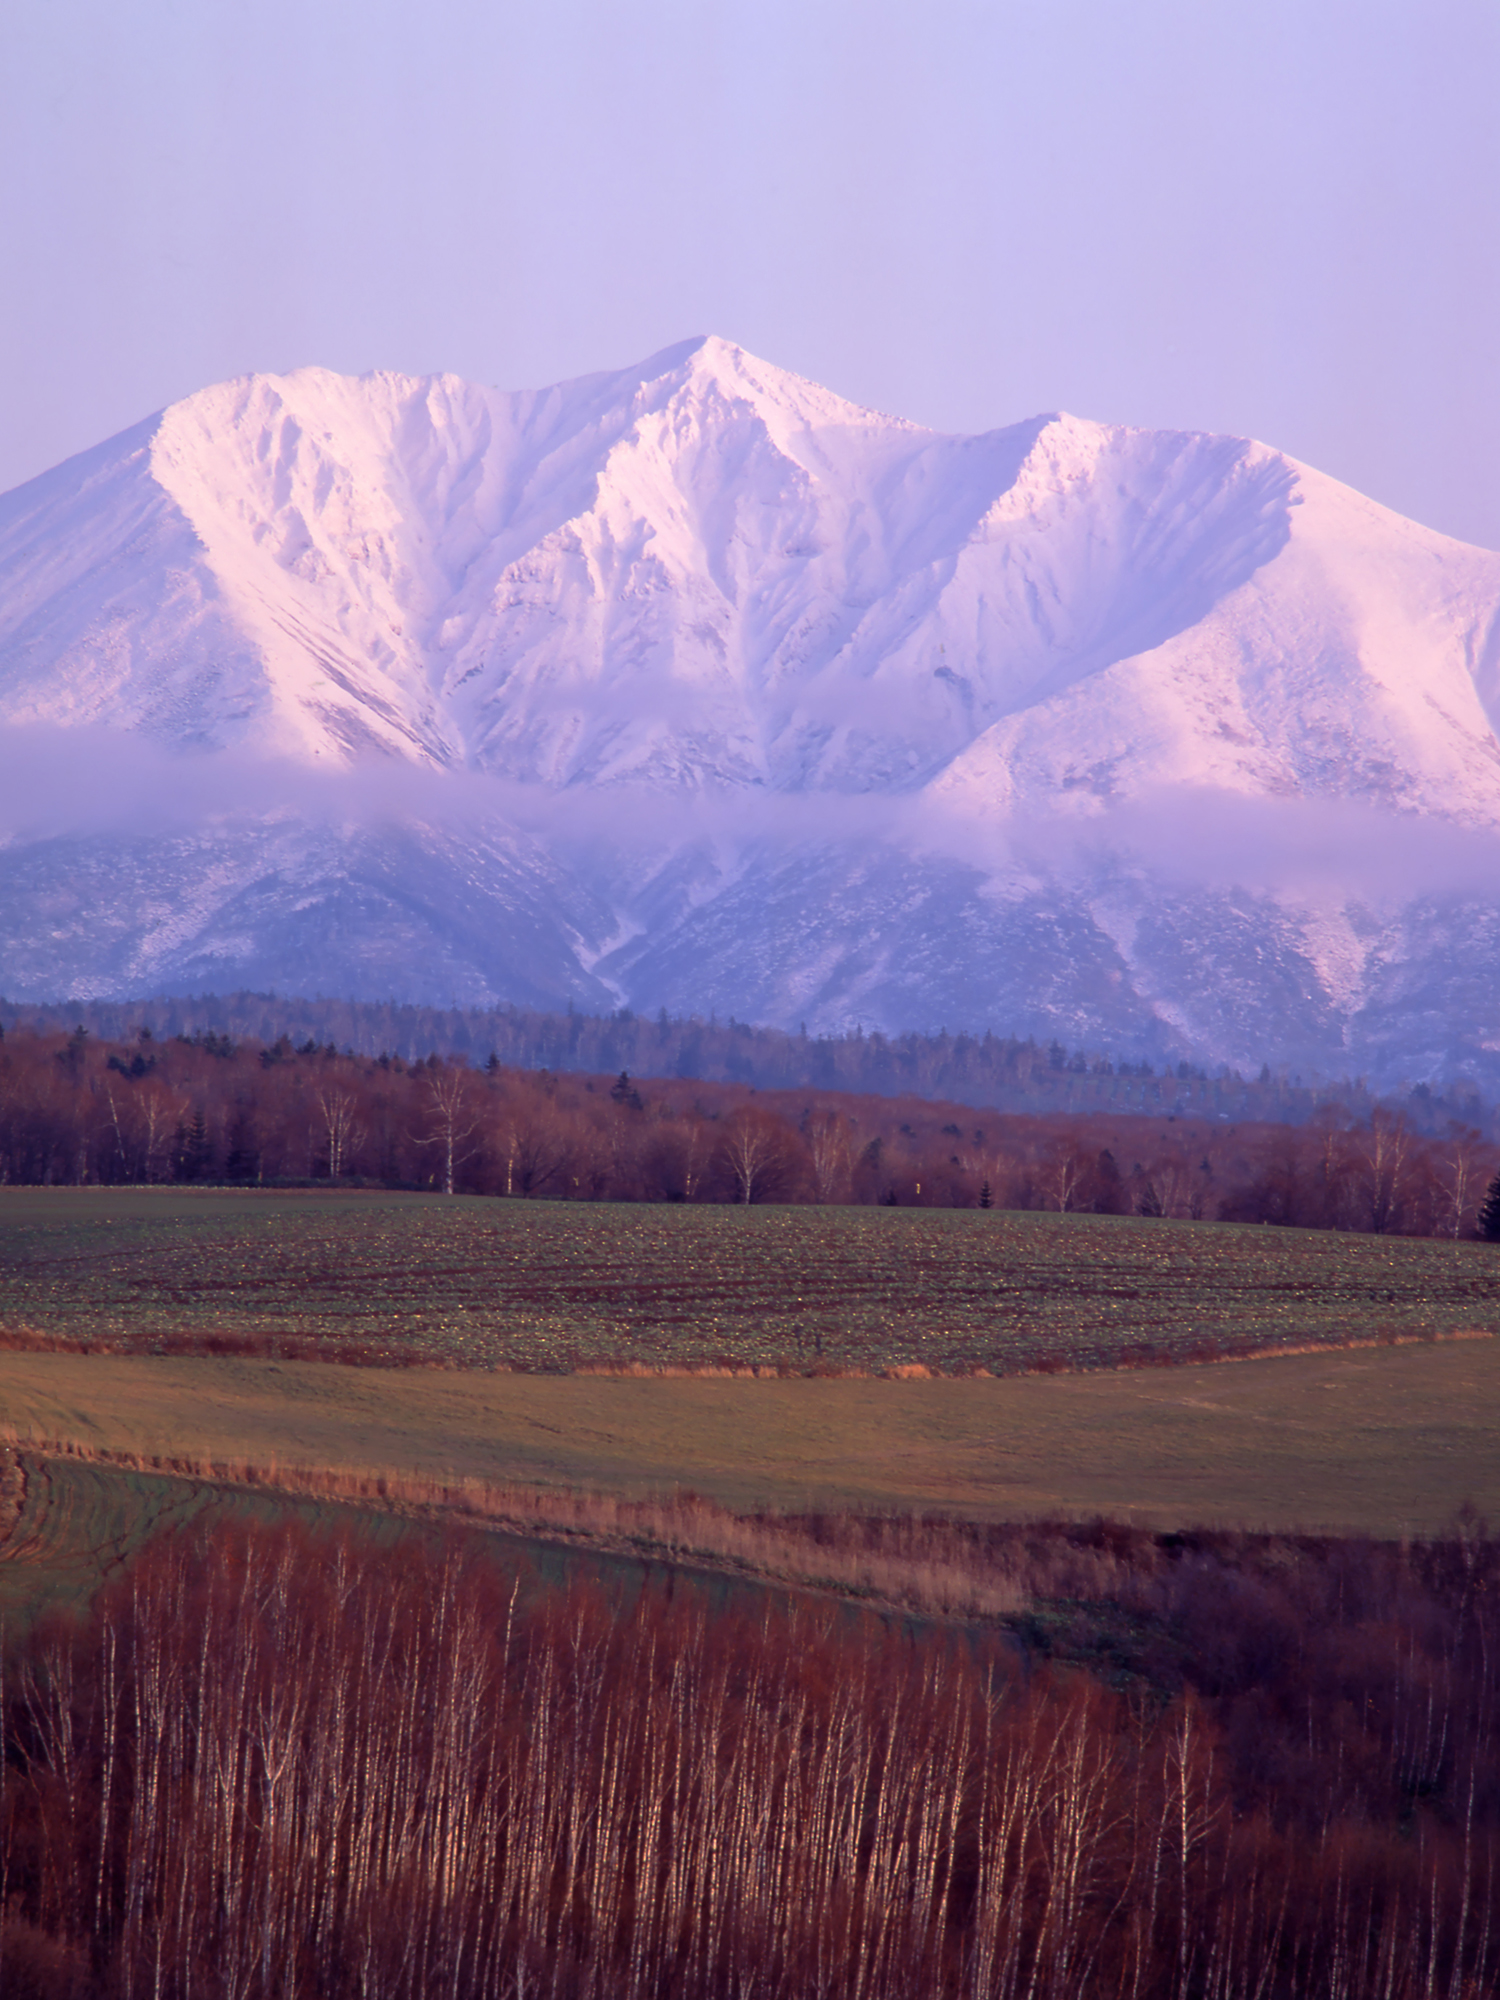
(547, 1286)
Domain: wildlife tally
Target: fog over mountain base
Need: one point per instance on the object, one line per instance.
(695, 687)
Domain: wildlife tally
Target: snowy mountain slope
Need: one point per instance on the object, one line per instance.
(705, 571)
(784, 707)
(280, 904)
(1360, 663)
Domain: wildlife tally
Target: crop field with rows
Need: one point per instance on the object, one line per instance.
(544, 1286)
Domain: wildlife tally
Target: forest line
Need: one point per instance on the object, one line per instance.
(1003, 1072)
(78, 1111)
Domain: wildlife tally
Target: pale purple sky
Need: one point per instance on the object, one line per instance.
(1279, 217)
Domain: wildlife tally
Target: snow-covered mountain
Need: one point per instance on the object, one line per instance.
(695, 685)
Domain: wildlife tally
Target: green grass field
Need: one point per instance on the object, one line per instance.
(1386, 1441)
(546, 1286)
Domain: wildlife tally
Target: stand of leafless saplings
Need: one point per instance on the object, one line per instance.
(269, 1764)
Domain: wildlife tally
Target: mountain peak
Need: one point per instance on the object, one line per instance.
(778, 678)
(711, 363)
(707, 570)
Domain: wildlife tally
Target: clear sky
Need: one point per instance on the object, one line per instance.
(1279, 217)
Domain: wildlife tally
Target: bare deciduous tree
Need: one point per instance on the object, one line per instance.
(1381, 1154)
(339, 1109)
(1063, 1172)
(752, 1147)
(452, 1115)
(1461, 1177)
(830, 1152)
(532, 1144)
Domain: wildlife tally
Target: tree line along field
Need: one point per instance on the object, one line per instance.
(201, 1110)
(462, 1281)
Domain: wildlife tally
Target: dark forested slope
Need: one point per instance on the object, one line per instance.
(1000, 1072)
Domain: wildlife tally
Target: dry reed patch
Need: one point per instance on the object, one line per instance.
(924, 1564)
(1203, 1355)
(32, 1340)
(646, 1371)
(12, 1491)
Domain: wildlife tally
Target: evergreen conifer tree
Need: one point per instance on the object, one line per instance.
(1489, 1212)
